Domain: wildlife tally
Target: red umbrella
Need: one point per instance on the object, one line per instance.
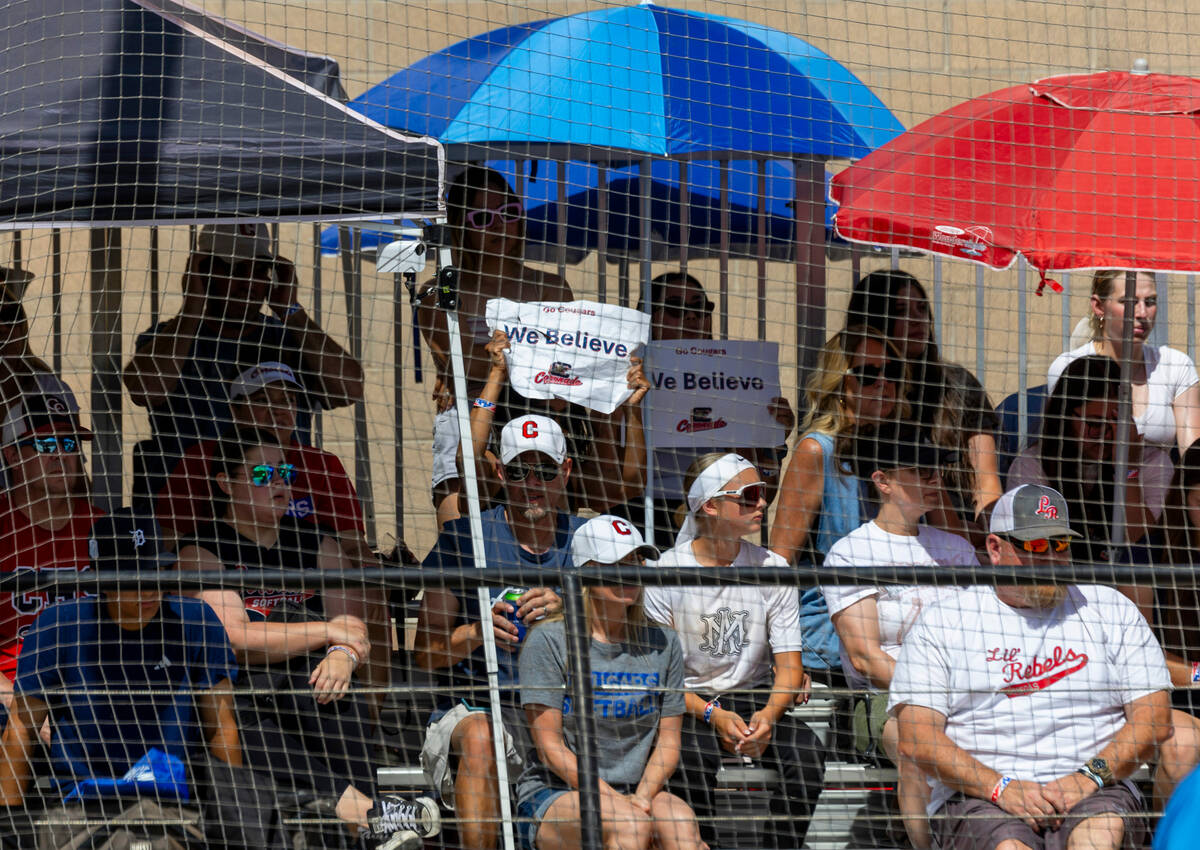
(1080, 171)
(1073, 172)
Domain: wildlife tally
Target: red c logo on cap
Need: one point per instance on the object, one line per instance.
(621, 527)
(529, 429)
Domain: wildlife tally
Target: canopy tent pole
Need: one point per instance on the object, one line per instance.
(107, 457)
(623, 279)
(399, 292)
(980, 317)
(1124, 414)
(318, 434)
(601, 232)
(760, 252)
(808, 174)
(685, 216)
(560, 213)
(937, 297)
(1191, 317)
(155, 282)
(56, 297)
(352, 274)
(1067, 325)
(447, 294)
(644, 190)
(1022, 353)
(723, 257)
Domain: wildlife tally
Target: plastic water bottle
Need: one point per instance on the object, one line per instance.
(511, 595)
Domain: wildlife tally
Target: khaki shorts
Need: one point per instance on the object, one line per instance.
(435, 753)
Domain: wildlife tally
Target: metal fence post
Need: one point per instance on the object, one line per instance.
(578, 650)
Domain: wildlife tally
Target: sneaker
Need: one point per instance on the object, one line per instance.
(392, 814)
(405, 839)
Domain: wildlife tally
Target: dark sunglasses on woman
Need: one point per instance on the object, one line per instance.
(676, 308)
(870, 375)
(746, 496)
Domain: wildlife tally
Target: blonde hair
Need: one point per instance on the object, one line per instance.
(1102, 287)
(689, 478)
(823, 392)
(635, 618)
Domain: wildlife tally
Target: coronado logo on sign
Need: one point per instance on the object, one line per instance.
(558, 373)
(701, 420)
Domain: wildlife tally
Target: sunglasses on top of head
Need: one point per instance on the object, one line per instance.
(51, 445)
(747, 496)
(486, 218)
(520, 471)
(1042, 545)
(262, 474)
(869, 375)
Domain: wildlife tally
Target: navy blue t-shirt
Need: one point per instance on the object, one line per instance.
(198, 407)
(75, 646)
(454, 549)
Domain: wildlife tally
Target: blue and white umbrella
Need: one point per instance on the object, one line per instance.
(634, 81)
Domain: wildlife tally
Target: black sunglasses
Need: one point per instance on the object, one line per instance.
(520, 471)
(868, 376)
(677, 307)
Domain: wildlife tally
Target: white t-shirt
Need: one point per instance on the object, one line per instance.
(898, 605)
(1168, 373)
(730, 633)
(1155, 475)
(1030, 693)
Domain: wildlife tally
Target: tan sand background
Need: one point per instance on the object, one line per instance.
(919, 57)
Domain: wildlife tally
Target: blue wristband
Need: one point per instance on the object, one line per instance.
(712, 706)
(484, 404)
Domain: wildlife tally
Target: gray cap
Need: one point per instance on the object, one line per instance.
(1030, 512)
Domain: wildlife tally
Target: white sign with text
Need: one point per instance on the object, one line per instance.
(713, 394)
(574, 350)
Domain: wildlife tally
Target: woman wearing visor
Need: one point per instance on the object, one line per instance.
(741, 650)
(639, 721)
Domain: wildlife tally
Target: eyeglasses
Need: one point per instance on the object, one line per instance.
(520, 471)
(1097, 428)
(51, 445)
(868, 375)
(747, 496)
(486, 218)
(1042, 545)
(676, 308)
(263, 474)
(244, 269)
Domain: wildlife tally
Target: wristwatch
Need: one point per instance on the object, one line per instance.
(1098, 771)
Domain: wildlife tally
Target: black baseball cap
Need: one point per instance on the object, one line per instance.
(128, 542)
(895, 445)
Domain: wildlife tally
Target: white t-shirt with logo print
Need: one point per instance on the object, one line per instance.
(1030, 693)
(730, 633)
(898, 606)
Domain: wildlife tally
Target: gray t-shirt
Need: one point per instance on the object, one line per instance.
(646, 682)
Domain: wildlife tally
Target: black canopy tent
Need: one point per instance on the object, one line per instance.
(150, 112)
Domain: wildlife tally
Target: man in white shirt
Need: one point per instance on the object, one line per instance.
(1032, 705)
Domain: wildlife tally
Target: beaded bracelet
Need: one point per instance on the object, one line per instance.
(337, 647)
(1001, 784)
